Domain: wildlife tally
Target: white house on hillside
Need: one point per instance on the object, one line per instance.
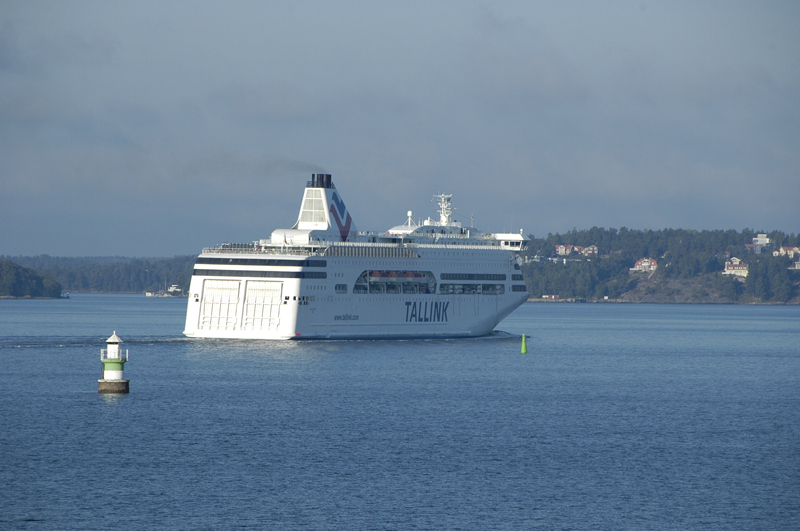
(734, 266)
(761, 240)
(566, 250)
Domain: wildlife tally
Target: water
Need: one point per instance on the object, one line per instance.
(619, 417)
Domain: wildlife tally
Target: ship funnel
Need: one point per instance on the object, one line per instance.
(320, 180)
(324, 212)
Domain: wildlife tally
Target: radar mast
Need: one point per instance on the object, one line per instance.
(445, 209)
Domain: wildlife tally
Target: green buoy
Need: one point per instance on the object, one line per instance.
(524, 348)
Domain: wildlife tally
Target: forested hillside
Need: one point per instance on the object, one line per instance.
(687, 261)
(112, 274)
(18, 281)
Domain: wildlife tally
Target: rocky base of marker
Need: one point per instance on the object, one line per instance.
(117, 387)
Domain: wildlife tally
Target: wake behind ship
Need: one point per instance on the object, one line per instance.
(323, 278)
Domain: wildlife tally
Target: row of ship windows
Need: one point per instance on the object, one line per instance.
(393, 282)
(460, 264)
(447, 289)
(414, 289)
(463, 264)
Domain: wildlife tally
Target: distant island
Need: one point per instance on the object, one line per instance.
(597, 265)
(664, 266)
(112, 274)
(23, 282)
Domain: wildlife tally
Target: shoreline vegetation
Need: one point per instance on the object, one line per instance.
(689, 269)
(18, 282)
(100, 274)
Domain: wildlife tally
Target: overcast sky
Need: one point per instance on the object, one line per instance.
(158, 128)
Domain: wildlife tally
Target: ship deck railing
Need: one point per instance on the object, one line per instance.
(303, 250)
(319, 250)
(441, 244)
(426, 235)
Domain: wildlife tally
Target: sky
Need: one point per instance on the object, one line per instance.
(152, 129)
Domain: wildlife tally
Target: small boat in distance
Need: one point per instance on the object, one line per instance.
(173, 291)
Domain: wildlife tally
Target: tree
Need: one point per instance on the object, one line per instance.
(18, 281)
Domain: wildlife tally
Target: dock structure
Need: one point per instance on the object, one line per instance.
(113, 358)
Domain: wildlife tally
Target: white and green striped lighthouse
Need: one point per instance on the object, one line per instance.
(113, 367)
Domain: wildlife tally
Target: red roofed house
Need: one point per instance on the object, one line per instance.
(645, 264)
(734, 266)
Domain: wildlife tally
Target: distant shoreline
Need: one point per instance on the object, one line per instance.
(619, 301)
(32, 298)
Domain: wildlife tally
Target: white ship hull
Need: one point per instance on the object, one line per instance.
(238, 306)
(362, 286)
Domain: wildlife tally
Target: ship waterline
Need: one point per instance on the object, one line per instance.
(323, 278)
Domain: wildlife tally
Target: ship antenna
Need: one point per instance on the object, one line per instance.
(445, 209)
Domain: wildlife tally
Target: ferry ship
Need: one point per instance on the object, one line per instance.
(323, 278)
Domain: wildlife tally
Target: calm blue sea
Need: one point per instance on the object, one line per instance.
(619, 417)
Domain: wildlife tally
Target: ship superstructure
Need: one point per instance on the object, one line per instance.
(322, 278)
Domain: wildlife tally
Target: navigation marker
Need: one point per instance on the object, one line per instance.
(524, 348)
(113, 381)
